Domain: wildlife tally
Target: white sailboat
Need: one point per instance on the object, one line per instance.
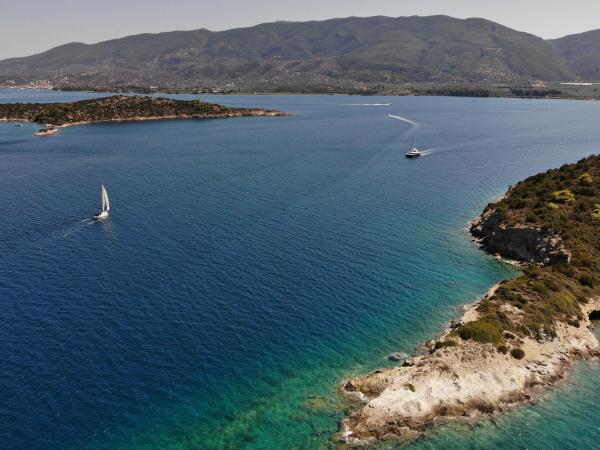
(414, 152)
(105, 204)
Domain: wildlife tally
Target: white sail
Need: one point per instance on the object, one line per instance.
(105, 202)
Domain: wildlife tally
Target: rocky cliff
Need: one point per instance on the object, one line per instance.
(520, 243)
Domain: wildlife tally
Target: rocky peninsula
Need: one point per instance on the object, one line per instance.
(521, 338)
(120, 108)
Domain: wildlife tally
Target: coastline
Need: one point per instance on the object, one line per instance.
(455, 379)
(257, 113)
(156, 118)
(467, 382)
(316, 93)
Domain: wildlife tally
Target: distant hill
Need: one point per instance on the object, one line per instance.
(338, 52)
(582, 53)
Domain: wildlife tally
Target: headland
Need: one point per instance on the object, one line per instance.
(521, 338)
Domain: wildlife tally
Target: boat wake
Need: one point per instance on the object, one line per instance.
(366, 104)
(404, 119)
(73, 228)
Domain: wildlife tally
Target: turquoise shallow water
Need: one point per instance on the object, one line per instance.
(249, 265)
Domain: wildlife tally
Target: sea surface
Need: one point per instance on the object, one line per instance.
(249, 265)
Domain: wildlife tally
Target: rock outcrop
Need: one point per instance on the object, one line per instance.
(463, 382)
(520, 243)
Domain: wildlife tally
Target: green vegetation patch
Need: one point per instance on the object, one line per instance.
(517, 353)
(484, 331)
(117, 107)
(563, 196)
(596, 212)
(585, 179)
(445, 343)
(502, 349)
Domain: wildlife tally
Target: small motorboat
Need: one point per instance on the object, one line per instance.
(414, 152)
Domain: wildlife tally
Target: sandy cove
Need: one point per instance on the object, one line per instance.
(460, 383)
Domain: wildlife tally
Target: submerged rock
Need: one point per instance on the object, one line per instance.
(397, 356)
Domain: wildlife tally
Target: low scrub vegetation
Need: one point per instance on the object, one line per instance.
(117, 107)
(502, 349)
(484, 331)
(445, 343)
(517, 353)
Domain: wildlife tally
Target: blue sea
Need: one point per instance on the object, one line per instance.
(250, 265)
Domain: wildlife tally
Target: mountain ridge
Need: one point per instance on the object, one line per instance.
(581, 52)
(352, 51)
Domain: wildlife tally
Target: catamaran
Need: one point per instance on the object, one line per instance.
(414, 152)
(103, 214)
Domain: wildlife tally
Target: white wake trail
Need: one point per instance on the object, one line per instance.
(404, 119)
(366, 104)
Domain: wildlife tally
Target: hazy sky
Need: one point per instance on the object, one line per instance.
(32, 26)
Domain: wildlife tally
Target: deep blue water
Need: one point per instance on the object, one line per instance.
(249, 265)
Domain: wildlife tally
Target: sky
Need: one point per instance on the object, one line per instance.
(32, 26)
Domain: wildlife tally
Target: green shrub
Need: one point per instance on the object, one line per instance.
(563, 196)
(585, 179)
(410, 387)
(553, 285)
(502, 349)
(539, 286)
(503, 291)
(517, 353)
(446, 343)
(563, 302)
(565, 269)
(484, 331)
(586, 280)
(596, 213)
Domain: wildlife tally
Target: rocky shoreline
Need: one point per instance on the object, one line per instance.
(459, 383)
(461, 376)
(53, 129)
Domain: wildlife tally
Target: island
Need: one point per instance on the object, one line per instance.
(46, 131)
(521, 338)
(119, 108)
